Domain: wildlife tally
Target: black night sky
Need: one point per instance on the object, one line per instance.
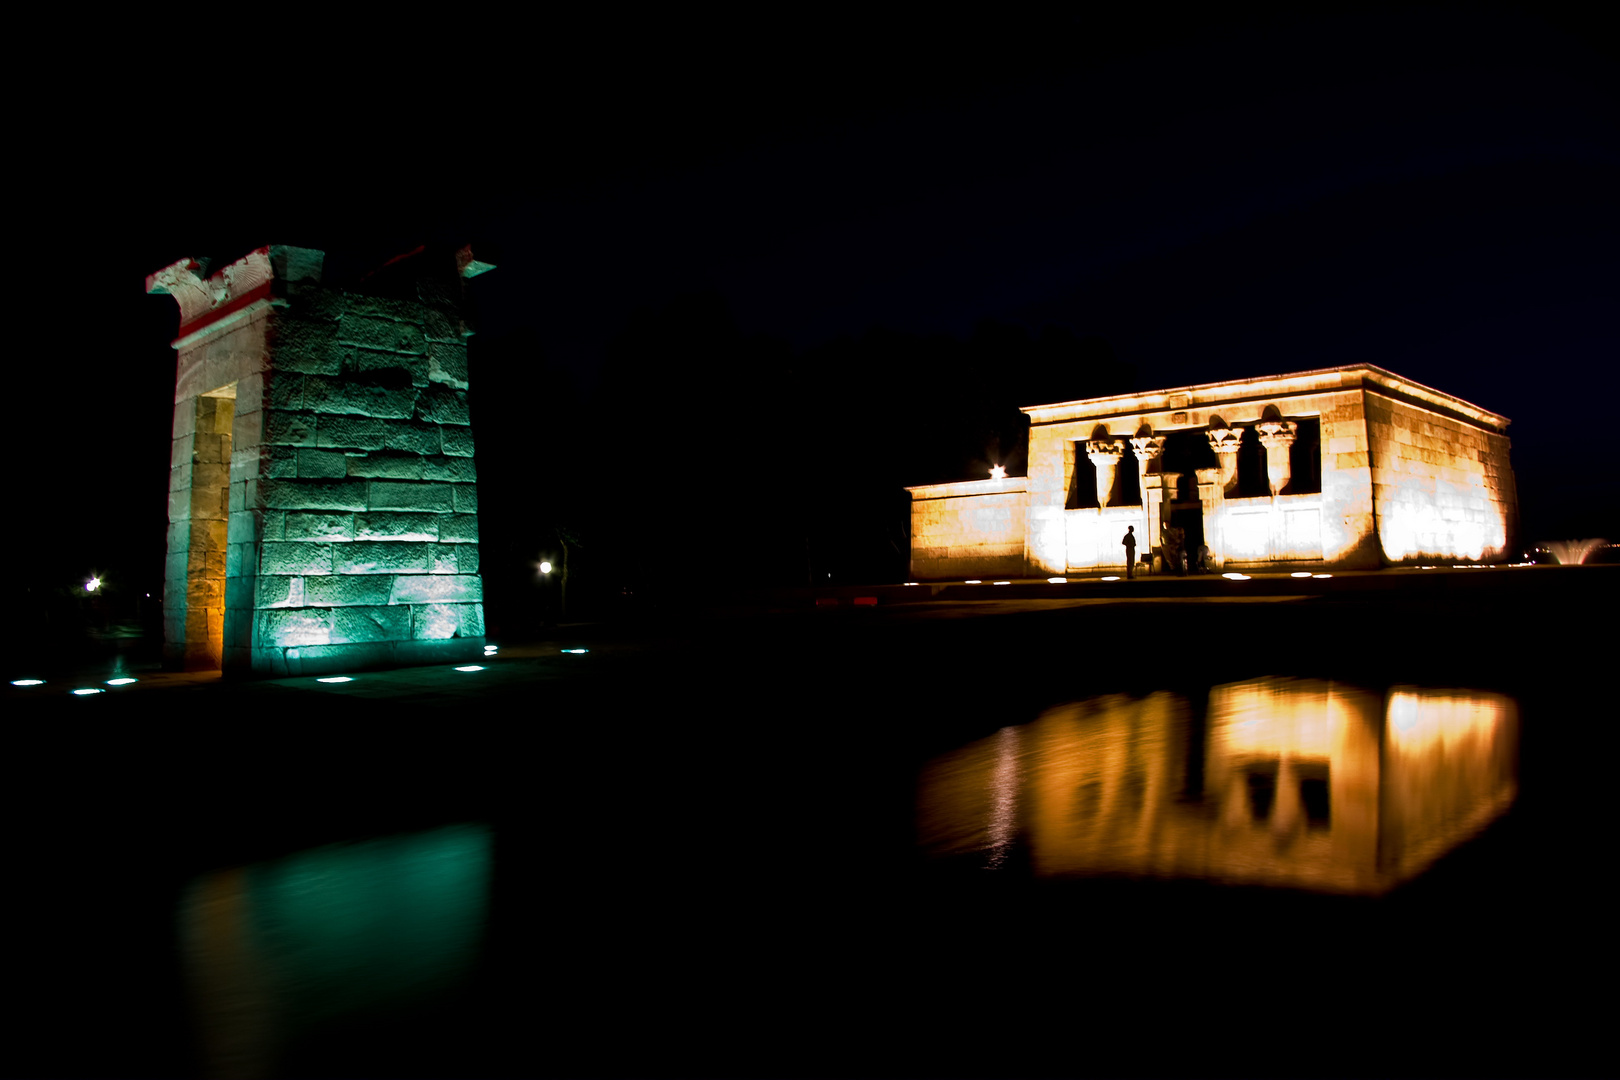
(755, 276)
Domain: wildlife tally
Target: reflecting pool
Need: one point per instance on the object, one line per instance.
(1284, 782)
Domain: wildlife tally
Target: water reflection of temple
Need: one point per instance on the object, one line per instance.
(1276, 782)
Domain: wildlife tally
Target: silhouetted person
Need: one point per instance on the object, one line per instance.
(1203, 559)
(1129, 540)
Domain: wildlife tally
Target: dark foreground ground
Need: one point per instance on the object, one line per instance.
(704, 861)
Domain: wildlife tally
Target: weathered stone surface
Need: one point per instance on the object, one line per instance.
(279, 462)
(407, 366)
(467, 558)
(287, 557)
(444, 558)
(322, 464)
(455, 469)
(390, 525)
(380, 333)
(315, 494)
(289, 428)
(386, 307)
(447, 364)
(284, 390)
(435, 620)
(341, 590)
(301, 525)
(437, 588)
(351, 397)
(412, 437)
(457, 441)
(351, 432)
(405, 495)
(466, 498)
(458, 528)
(276, 591)
(294, 626)
(304, 344)
(393, 465)
(370, 624)
(384, 557)
(441, 405)
(441, 325)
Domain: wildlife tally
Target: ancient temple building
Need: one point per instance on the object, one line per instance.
(323, 504)
(1349, 467)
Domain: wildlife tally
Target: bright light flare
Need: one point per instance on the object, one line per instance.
(92, 585)
(998, 472)
(973, 581)
(1321, 575)
(125, 681)
(27, 682)
(1057, 581)
(1300, 573)
(91, 690)
(1236, 577)
(335, 678)
(1111, 577)
(1001, 583)
(471, 667)
(545, 567)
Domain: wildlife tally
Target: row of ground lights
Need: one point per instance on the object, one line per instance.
(1115, 577)
(489, 653)
(82, 691)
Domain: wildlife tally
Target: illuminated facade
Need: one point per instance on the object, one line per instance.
(323, 505)
(1350, 467)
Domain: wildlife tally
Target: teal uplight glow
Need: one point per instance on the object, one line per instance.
(27, 682)
(90, 690)
(576, 651)
(121, 682)
(280, 950)
(471, 667)
(335, 678)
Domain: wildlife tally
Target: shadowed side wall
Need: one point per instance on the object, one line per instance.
(972, 529)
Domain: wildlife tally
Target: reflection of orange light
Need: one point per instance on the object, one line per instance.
(1430, 720)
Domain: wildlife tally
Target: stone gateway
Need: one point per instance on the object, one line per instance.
(1350, 467)
(323, 504)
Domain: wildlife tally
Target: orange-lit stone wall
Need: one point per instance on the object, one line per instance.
(973, 529)
(1442, 487)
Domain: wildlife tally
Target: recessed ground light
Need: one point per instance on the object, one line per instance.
(1111, 577)
(1236, 577)
(1001, 583)
(973, 581)
(911, 583)
(471, 667)
(576, 651)
(1300, 573)
(93, 690)
(1057, 581)
(27, 682)
(125, 681)
(1321, 575)
(335, 678)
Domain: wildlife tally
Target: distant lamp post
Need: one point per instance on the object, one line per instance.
(92, 585)
(998, 472)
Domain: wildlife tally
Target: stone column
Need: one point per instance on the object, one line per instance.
(1105, 455)
(1148, 449)
(1225, 443)
(1212, 501)
(1158, 492)
(1277, 436)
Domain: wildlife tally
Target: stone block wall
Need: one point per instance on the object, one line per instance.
(973, 529)
(348, 529)
(1442, 487)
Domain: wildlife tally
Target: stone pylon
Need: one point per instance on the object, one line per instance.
(323, 501)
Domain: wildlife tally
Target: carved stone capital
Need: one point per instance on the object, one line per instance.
(1105, 452)
(1147, 447)
(1275, 433)
(1225, 440)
